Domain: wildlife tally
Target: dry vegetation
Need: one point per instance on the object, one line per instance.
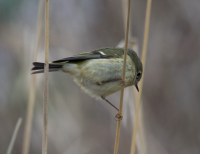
(78, 123)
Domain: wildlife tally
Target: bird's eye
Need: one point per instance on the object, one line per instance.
(138, 75)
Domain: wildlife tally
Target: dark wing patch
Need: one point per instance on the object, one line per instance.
(85, 56)
(76, 58)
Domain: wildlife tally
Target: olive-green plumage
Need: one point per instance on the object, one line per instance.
(98, 72)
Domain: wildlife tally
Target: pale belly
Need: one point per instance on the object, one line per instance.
(92, 76)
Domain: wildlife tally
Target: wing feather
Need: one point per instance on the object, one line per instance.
(102, 53)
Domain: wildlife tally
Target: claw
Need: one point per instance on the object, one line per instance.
(118, 117)
(122, 83)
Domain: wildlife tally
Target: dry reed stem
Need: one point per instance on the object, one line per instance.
(46, 70)
(140, 142)
(146, 32)
(124, 11)
(140, 139)
(31, 102)
(123, 79)
(12, 141)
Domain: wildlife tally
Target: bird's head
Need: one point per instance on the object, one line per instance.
(138, 67)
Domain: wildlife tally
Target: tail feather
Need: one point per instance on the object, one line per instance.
(39, 67)
(42, 71)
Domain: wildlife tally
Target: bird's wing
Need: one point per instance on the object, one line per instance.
(102, 53)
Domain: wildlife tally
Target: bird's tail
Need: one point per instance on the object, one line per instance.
(39, 67)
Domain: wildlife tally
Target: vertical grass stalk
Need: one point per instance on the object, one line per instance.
(124, 11)
(133, 44)
(144, 49)
(123, 79)
(10, 147)
(31, 102)
(46, 70)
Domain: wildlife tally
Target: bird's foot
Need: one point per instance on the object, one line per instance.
(122, 83)
(118, 117)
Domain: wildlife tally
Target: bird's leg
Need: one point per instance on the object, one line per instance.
(111, 80)
(117, 116)
(122, 83)
(110, 103)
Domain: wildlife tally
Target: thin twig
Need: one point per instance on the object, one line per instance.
(10, 147)
(31, 103)
(140, 142)
(124, 11)
(123, 79)
(146, 32)
(46, 70)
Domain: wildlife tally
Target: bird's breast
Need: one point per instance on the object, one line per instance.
(97, 77)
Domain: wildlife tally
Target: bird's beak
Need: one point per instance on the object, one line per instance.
(136, 86)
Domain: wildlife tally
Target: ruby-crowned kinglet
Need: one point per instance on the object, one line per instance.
(98, 73)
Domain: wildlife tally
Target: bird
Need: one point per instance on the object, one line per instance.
(99, 72)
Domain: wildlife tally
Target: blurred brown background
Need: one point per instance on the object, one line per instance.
(79, 124)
